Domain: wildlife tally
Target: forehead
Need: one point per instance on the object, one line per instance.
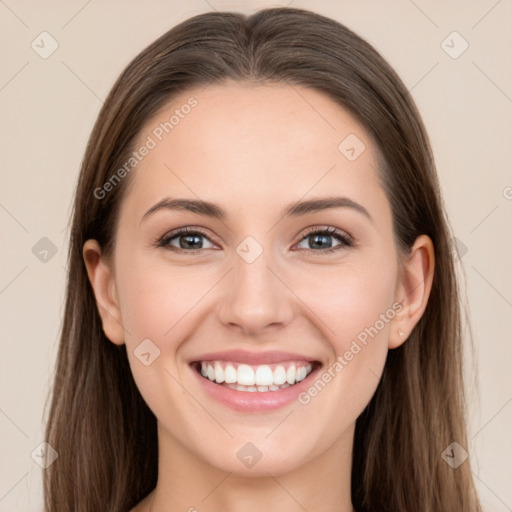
(252, 144)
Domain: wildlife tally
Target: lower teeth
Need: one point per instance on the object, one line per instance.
(240, 387)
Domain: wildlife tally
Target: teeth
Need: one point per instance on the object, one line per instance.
(290, 375)
(219, 373)
(229, 374)
(252, 389)
(301, 374)
(279, 375)
(245, 375)
(262, 378)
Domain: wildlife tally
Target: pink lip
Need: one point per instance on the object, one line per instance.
(254, 358)
(256, 402)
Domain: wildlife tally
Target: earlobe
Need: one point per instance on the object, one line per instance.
(413, 290)
(103, 284)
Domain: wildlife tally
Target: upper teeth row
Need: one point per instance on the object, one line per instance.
(246, 375)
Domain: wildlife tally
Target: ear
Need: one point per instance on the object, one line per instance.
(413, 289)
(102, 280)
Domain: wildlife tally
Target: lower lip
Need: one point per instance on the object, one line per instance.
(257, 401)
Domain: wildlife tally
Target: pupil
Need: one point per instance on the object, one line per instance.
(196, 243)
(314, 240)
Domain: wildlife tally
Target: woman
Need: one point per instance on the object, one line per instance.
(262, 310)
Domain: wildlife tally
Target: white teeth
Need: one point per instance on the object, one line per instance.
(301, 374)
(245, 375)
(279, 375)
(258, 378)
(290, 374)
(264, 376)
(219, 372)
(230, 374)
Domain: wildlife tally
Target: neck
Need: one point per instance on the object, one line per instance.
(187, 483)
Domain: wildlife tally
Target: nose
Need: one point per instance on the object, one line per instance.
(255, 298)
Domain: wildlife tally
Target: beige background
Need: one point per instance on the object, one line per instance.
(48, 107)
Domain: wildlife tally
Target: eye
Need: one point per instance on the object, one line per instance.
(191, 240)
(320, 239)
(188, 240)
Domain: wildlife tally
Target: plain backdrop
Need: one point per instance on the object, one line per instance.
(48, 106)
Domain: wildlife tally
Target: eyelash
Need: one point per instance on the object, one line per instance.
(344, 239)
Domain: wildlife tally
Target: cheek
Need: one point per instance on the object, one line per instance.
(355, 306)
(350, 299)
(158, 305)
(155, 297)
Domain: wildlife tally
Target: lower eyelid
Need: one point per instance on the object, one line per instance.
(343, 239)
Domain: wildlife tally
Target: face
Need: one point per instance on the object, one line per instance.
(260, 288)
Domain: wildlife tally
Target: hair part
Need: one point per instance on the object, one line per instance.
(102, 429)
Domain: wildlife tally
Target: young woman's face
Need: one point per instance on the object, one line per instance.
(263, 288)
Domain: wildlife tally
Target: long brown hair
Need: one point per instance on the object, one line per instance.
(102, 429)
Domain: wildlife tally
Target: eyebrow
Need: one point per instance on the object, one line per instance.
(295, 209)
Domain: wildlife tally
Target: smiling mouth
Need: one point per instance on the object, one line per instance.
(255, 378)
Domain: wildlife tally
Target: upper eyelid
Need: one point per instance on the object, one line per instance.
(332, 231)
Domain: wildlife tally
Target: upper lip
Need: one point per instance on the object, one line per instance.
(254, 358)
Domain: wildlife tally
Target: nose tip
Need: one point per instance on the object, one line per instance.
(253, 298)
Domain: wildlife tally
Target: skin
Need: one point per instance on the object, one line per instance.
(254, 149)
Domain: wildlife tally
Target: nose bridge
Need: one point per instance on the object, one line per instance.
(254, 297)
